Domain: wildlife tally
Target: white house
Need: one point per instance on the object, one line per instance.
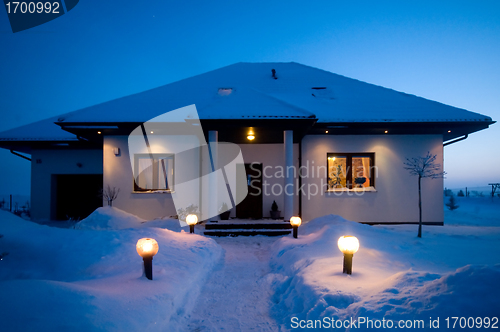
(348, 138)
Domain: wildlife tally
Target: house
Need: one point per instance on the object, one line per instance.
(348, 138)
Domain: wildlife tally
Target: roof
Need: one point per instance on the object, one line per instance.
(248, 90)
(44, 130)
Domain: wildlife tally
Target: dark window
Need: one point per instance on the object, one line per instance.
(351, 170)
(153, 172)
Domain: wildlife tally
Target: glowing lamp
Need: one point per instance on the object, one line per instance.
(251, 137)
(147, 248)
(295, 222)
(191, 220)
(349, 245)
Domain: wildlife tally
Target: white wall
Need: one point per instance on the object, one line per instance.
(396, 196)
(45, 163)
(117, 172)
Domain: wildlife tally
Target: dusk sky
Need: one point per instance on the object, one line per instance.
(447, 51)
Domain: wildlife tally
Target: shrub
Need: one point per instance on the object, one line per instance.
(452, 204)
(460, 194)
(183, 213)
(109, 194)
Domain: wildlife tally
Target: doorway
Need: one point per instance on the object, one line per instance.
(76, 196)
(251, 206)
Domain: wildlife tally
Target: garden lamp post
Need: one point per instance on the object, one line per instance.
(349, 245)
(295, 222)
(147, 248)
(191, 220)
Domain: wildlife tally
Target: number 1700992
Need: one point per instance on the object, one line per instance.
(32, 7)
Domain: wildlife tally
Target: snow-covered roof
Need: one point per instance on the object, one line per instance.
(44, 130)
(245, 90)
(248, 90)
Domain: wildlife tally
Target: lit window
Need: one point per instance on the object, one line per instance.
(350, 170)
(153, 172)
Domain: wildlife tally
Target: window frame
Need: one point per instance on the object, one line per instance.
(156, 157)
(349, 156)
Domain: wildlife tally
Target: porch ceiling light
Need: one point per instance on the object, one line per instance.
(191, 220)
(295, 222)
(349, 245)
(147, 248)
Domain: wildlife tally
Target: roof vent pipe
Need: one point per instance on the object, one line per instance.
(274, 74)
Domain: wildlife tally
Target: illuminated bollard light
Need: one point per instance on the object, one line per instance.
(191, 220)
(349, 245)
(147, 248)
(295, 222)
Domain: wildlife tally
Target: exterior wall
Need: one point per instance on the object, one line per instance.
(45, 163)
(117, 172)
(396, 196)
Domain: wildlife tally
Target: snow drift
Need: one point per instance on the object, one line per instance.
(392, 277)
(65, 279)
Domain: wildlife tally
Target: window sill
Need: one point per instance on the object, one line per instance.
(368, 189)
(154, 192)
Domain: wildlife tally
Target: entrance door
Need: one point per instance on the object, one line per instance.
(251, 206)
(77, 196)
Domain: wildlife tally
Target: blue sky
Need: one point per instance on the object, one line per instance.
(448, 51)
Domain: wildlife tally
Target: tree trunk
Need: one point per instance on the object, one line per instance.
(419, 207)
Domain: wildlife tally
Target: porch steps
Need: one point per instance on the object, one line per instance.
(247, 228)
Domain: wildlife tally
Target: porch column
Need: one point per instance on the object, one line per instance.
(213, 138)
(288, 190)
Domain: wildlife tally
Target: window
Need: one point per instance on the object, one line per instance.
(153, 172)
(350, 170)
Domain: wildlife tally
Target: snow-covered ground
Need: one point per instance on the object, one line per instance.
(237, 297)
(57, 279)
(89, 278)
(452, 271)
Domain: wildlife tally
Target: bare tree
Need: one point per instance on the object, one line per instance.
(110, 194)
(423, 167)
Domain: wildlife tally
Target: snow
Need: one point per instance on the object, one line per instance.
(90, 279)
(109, 218)
(237, 296)
(474, 211)
(44, 130)
(451, 271)
(67, 279)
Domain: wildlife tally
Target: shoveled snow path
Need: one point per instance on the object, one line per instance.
(237, 296)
